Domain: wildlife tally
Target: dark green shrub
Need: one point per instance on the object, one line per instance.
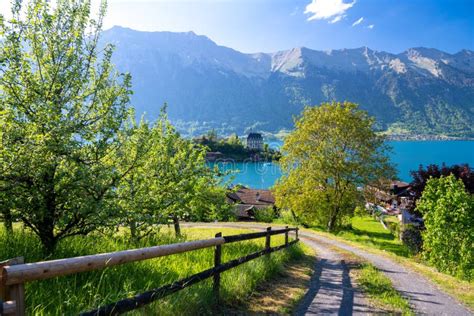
(411, 237)
(265, 215)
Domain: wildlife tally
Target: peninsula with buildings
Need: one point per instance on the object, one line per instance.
(250, 148)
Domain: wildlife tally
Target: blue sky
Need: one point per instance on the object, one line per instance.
(272, 25)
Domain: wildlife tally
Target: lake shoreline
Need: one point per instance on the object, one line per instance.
(402, 138)
(406, 155)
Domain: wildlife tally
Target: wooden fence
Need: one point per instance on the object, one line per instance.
(15, 273)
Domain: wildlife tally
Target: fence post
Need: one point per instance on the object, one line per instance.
(286, 236)
(4, 293)
(217, 262)
(14, 292)
(267, 240)
(297, 233)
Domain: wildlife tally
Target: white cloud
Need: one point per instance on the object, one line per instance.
(371, 26)
(327, 9)
(359, 21)
(337, 19)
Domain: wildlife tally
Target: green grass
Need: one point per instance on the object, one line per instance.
(380, 290)
(370, 232)
(84, 291)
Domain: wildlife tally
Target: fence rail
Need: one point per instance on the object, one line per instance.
(14, 273)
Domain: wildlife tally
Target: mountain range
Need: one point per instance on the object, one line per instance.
(421, 91)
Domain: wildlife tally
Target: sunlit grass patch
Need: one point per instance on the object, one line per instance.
(379, 288)
(369, 231)
(85, 291)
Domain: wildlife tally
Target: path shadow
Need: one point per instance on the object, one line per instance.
(383, 241)
(419, 297)
(347, 302)
(385, 235)
(346, 305)
(313, 289)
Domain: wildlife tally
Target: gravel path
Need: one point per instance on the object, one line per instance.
(331, 291)
(424, 297)
(328, 283)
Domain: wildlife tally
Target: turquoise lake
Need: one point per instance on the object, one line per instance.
(407, 156)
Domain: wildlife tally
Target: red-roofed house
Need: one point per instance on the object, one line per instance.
(247, 200)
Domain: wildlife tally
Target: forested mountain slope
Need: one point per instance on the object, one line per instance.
(419, 91)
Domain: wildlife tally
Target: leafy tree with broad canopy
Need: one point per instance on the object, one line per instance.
(332, 151)
(62, 105)
(448, 214)
(171, 182)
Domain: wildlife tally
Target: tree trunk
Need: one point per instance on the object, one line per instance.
(332, 222)
(48, 221)
(8, 221)
(330, 226)
(177, 229)
(133, 231)
(294, 216)
(49, 242)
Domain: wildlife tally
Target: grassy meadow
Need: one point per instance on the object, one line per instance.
(363, 230)
(80, 292)
(368, 231)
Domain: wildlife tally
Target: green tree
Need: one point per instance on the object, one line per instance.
(171, 182)
(209, 202)
(234, 140)
(212, 135)
(332, 151)
(133, 202)
(182, 183)
(448, 213)
(62, 105)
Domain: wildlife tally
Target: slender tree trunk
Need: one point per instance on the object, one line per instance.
(332, 220)
(294, 216)
(177, 228)
(331, 223)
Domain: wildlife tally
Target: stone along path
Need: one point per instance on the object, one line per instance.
(331, 291)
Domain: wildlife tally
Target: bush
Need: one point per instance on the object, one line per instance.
(394, 228)
(360, 211)
(448, 213)
(265, 215)
(411, 237)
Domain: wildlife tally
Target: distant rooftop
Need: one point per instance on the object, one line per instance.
(255, 135)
